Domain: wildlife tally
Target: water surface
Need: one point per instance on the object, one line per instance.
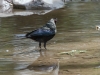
(76, 23)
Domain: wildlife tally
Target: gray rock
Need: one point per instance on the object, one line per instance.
(38, 4)
(35, 6)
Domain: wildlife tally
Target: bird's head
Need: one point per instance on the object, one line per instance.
(53, 20)
(52, 24)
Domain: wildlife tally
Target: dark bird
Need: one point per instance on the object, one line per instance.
(45, 33)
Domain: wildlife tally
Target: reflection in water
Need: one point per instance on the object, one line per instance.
(9, 12)
(43, 65)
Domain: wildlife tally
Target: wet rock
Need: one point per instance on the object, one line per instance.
(5, 6)
(31, 4)
(39, 7)
(38, 4)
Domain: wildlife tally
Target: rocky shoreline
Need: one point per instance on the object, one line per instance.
(8, 7)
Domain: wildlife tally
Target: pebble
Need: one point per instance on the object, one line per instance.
(7, 50)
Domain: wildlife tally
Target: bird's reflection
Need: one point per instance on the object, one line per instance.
(43, 65)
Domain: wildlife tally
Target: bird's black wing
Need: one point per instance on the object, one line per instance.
(41, 32)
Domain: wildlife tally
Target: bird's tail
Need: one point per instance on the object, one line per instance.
(28, 35)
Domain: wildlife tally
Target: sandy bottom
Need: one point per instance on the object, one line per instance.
(73, 58)
(86, 62)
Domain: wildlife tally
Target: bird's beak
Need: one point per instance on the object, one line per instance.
(55, 19)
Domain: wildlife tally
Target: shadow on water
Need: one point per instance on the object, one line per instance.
(43, 65)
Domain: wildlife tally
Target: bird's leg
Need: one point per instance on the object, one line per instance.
(45, 45)
(40, 45)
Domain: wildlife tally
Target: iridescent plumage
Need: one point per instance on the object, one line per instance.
(45, 33)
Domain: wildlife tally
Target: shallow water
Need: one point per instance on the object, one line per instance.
(76, 23)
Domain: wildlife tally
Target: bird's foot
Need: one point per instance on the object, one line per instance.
(45, 48)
